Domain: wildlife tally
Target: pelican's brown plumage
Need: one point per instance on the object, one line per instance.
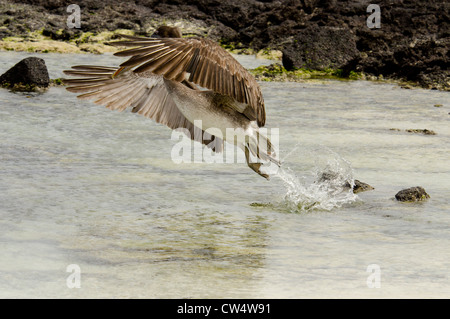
(161, 81)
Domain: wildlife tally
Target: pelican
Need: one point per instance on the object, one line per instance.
(178, 81)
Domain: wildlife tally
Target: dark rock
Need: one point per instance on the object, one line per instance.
(361, 187)
(412, 44)
(412, 194)
(332, 178)
(320, 48)
(63, 35)
(29, 72)
(424, 61)
(417, 131)
(422, 131)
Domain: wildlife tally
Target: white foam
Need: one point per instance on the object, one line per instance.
(327, 185)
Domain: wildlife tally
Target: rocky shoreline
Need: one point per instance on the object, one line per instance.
(328, 37)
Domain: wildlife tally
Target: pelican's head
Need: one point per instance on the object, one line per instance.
(165, 31)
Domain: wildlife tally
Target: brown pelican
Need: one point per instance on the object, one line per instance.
(176, 81)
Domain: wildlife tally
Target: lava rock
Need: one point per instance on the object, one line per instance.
(63, 35)
(333, 177)
(361, 187)
(412, 194)
(423, 131)
(320, 48)
(412, 44)
(29, 72)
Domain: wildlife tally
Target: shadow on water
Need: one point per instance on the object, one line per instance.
(176, 254)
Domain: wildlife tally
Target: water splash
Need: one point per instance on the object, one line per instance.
(327, 184)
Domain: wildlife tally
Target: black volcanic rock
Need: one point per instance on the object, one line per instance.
(411, 44)
(320, 48)
(31, 72)
(412, 194)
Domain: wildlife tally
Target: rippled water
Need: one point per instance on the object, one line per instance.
(83, 185)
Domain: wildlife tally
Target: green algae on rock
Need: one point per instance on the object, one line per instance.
(276, 72)
(412, 194)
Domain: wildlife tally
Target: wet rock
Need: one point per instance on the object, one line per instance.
(331, 177)
(412, 194)
(320, 48)
(361, 187)
(422, 131)
(417, 131)
(28, 74)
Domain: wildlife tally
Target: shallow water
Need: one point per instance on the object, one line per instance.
(83, 185)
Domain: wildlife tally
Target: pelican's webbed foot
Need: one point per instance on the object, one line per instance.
(256, 167)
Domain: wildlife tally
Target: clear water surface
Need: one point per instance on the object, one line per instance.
(80, 184)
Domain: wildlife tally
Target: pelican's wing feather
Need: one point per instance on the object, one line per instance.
(199, 60)
(144, 93)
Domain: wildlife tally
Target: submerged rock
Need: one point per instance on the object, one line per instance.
(361, 187)
(423, 131)
(27, 75)
(358, 186)
(412, 194)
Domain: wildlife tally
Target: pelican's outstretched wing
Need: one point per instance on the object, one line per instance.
(206, 63)
(145, 93)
